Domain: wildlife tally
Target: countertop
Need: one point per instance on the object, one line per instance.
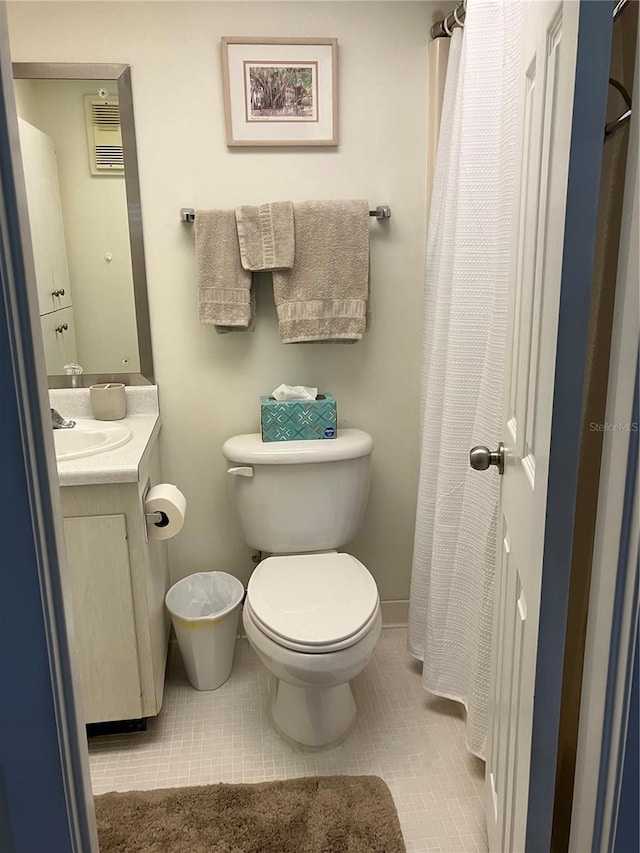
(122, 464)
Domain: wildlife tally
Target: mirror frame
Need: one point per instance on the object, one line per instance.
(122, 75)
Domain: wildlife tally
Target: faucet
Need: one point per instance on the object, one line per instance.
(58, 422)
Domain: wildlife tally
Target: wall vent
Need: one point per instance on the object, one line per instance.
(104, 135)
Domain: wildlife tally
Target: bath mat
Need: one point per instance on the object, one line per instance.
(318, 814)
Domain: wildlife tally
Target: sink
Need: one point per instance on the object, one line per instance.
(88, 437)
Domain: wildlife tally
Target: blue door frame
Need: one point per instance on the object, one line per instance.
(45, 803)
(587, 139)
(627, 830)
(624, 833)
(42, 749)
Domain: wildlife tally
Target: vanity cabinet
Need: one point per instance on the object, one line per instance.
(59, 339)
(118, 580)
(49, 249)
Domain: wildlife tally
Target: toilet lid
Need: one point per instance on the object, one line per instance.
(312, 599)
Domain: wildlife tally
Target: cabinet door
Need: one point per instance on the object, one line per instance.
(59, 338)
(45, 218)
(103, 617)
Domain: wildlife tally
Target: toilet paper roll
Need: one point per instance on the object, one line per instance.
(170, 501)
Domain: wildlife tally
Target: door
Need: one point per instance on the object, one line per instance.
(547, 77)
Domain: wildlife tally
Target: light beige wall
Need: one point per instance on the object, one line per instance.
(209, 383)
(95, 223)
(27, 100)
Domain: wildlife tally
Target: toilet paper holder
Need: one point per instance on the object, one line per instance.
(158, 518)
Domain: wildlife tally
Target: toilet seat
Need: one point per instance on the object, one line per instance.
(313, 603)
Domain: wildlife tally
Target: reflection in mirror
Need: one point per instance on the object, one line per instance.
(78, 150)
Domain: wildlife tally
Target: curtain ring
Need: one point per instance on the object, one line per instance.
(446, 28)
(455, 18)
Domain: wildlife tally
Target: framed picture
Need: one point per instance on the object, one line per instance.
(280, 91)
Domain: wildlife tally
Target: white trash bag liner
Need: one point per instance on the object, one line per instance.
(204, 609)
(204, 594)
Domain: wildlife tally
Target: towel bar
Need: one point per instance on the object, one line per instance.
(383, 211)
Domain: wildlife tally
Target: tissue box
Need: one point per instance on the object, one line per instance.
(298, 420)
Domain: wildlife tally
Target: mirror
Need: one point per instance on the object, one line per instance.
(78, 144)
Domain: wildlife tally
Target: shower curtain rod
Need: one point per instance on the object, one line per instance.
(444, 28)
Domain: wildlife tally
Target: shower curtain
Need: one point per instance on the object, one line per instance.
(467, 272)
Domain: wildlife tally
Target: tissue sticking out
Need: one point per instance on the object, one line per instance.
(294, 392)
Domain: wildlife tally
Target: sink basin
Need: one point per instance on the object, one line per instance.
(88, 437)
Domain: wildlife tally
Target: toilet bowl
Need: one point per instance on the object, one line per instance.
(311, 614)
(314, 621)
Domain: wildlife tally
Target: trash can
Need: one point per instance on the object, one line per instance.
(204, 610)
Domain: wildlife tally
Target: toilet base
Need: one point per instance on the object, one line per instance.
(311, 717)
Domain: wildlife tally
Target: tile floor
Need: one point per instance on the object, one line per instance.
(413, 741)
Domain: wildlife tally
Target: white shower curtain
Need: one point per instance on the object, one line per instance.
(467, 271)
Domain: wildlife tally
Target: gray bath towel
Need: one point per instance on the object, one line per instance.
(266, 236)
(324, 297)
(224, 287)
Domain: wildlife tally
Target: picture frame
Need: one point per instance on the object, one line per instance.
(280, 91)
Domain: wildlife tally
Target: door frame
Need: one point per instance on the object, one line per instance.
(613, 605)
(42, 738)
(61, 785)
(589, 117)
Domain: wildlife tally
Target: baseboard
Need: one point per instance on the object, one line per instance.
(395, 614)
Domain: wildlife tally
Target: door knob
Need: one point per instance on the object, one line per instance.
(480, 458)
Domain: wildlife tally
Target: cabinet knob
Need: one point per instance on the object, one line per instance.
(59, 292)
(62, 328)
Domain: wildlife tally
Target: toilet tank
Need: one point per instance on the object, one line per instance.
(296, 496)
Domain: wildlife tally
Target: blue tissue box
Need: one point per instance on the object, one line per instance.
(298, 420)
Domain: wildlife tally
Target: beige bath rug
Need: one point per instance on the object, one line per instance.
(320, 814)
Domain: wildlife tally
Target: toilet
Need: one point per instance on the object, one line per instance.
(311, 613)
